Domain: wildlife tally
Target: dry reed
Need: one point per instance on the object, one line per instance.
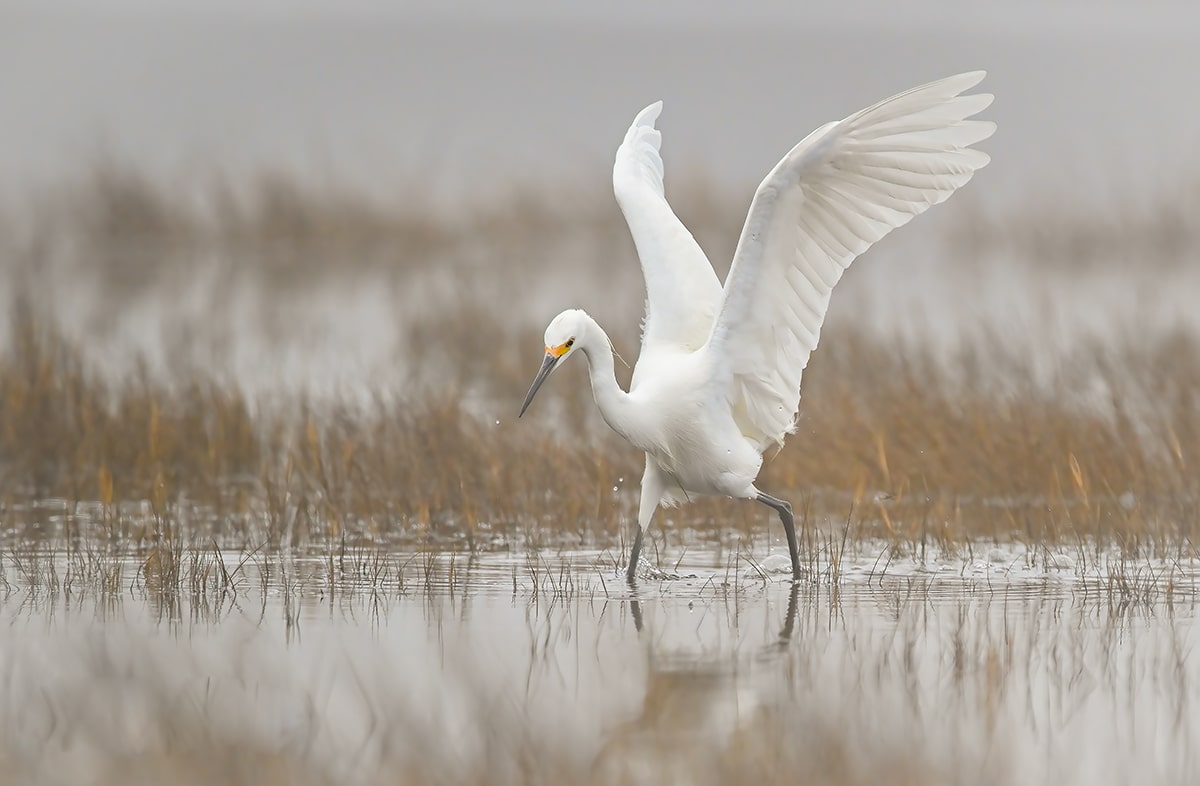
(918, 445)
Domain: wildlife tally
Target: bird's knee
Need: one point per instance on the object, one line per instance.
(781, 505)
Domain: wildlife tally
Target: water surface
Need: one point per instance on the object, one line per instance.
(521, 667)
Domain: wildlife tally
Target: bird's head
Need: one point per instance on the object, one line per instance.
(562, 339)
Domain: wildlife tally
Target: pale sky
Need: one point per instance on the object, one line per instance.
(1090, 97)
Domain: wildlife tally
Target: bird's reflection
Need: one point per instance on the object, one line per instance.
(785, 633)
(789, 620)
(692, 696)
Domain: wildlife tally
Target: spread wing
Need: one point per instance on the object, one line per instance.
(682, 291)
(840, 190)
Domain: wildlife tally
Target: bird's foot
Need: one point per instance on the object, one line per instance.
(648, 572)
(781, 563)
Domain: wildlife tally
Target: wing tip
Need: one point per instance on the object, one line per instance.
(642, 142)
(967, 79)
(642, 128)
(638, 159)
(648, 115)
(958, 83)
(986, 125)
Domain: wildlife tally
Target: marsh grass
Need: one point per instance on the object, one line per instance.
(919, 446)
(918, 455)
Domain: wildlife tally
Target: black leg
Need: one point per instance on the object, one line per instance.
(789, 527)
(631, 574)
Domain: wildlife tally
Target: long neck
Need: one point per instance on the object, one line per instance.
(615, 406)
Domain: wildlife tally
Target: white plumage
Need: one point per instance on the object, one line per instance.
(718, 378)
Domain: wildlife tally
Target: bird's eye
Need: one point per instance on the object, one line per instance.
(570, 341)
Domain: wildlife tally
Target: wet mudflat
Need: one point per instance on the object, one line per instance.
(390, 667)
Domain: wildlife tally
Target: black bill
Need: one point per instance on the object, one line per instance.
(547, 366)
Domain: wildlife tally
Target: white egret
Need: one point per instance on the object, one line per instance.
(718, 378)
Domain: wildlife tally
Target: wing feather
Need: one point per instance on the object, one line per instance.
(682, 290)
(835, 194)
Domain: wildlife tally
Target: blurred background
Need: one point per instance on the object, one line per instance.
(470, 98)
(459, 152)
(348, 204)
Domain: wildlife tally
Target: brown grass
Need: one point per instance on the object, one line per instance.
(917, 445)
(918, 453)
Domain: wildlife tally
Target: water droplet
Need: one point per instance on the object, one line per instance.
(497, 422)
(620, 480)
(614, 489)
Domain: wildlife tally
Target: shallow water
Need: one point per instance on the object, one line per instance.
(1014, 668)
